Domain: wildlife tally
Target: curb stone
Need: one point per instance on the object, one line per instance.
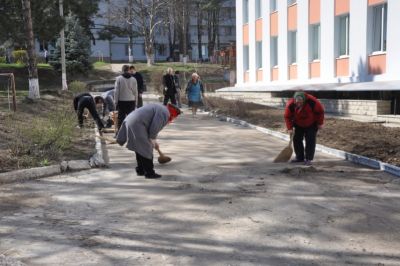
(65, 166)
(358, 159)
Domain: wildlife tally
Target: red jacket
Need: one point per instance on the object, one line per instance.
(311, 113)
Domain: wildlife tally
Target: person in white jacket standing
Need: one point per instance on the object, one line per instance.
(125, 95)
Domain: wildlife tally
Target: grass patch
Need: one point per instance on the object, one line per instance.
(101, 65)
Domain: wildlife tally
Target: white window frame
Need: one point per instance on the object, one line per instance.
(273, 6)
(259, 54)
(274, 51)
(245, 11)
(382, 24)
(258, 6)
(292, 47)
(345, 35)
(315, 55)
(246, 58)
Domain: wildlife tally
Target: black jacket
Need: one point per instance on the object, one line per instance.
(140, 82)
(169, 84)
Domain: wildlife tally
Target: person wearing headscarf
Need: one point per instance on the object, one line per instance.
(305, 114)
(139, 131)
(195, 93)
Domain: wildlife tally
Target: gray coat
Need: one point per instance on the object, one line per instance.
(142, 125)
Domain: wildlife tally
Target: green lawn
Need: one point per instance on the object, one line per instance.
(19, 66)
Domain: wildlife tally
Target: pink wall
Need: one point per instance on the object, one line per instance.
(342, 7)
(274, 74)
(375, 2)
(292, 17)
(259, 75)
(315, 69)
(246, 76)
(259, 25)
(377, 64)
(314, 14)
(342, 67)
(293, 72)
(246, 34)
(274, 24)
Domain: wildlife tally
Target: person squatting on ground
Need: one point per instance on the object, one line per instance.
(140, 129)
(140, 84)
(108, 97)
(85, 100)
(125, 95)
(195, 93)
(305, 114)
(169, 87)
(178, 89)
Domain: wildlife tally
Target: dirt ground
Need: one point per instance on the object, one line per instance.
(18, 151)
(367, 139)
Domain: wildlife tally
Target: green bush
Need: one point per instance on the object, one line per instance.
(20, 57)
(2, 59)
(77, 86)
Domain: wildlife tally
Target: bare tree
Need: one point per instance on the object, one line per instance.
(32, 66)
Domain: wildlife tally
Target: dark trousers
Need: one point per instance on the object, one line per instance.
(140, 101)
(144, 166)
(168, 97)
(124, 109)
(310, 135)
(88, 102)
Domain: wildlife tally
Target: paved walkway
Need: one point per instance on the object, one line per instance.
(221, 201)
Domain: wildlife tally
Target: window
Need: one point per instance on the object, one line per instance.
(379, 24)
(291, 2)
(344, 26)
(272, 5)
(315, 42)
(274, 51)
(245, 57)
(258, 9)
(259, 54)
(292, 47)
(245, 11)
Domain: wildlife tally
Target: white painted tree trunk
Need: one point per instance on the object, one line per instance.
(34, 88)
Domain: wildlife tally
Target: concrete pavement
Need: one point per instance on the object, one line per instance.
(221, 201)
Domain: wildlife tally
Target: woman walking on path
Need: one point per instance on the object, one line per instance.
(169, 87)
(195, 93)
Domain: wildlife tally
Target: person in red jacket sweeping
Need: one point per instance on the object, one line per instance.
(305, 114)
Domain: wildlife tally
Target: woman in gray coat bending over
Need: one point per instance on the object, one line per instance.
(140, 129)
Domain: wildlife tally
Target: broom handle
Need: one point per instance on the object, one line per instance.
(291, 139)
(159, 152)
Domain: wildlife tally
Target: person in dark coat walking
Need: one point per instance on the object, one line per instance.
(305, 114)
(141, 87)
(85, 100)
(139, 131)
(169, 87)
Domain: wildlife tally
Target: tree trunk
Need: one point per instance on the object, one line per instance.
(32, 67)
(199, 30)
(130, 30)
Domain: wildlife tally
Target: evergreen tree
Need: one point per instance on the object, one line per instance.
(77, 48)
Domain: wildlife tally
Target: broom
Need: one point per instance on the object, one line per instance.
(162, 159)
(286, 153)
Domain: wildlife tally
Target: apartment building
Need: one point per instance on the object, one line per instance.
(117, 49)
(347, 46)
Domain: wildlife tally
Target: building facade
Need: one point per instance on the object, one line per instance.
(117, 48)
(330, 44)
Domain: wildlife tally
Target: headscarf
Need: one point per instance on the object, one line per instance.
(300, 94)
(173, 112)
